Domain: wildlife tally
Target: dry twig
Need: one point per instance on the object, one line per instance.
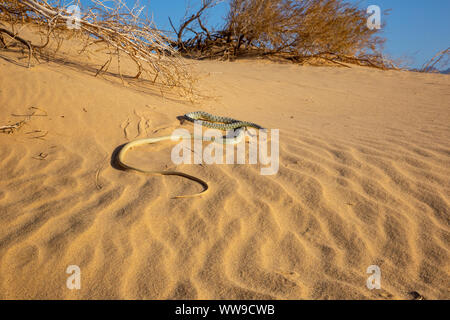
(442, 58)
(121, 30)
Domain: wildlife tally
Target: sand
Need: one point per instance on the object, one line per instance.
(363, 180)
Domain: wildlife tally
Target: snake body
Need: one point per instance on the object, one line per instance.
(211, 121)
(204, 119)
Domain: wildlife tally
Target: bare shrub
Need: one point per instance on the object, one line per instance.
(298, 30)
(121, 30)
(440, 61)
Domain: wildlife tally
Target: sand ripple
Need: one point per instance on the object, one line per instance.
(359, 184)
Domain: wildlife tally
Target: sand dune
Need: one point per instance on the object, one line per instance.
(363, 180)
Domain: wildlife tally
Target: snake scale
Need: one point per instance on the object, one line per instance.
(199, 117)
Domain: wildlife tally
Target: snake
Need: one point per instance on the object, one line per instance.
(198, 117)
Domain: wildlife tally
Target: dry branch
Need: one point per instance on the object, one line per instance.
(11, 128)
(21, 40)
(297, 30)
(442, 58)
(118, 28)
(205, 4)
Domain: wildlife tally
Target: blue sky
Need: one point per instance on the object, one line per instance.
(415, 29)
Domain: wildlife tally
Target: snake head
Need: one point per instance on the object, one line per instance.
(182, 119)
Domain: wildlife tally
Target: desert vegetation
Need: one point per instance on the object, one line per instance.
(301, 31)
(440, 61)
(313, 31)
(120, 31)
